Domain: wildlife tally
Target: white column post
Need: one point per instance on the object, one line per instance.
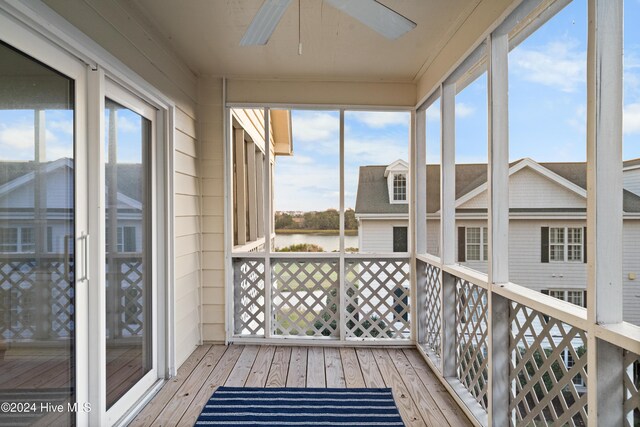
(498, 216)
(448, 226)
(260, 193)
(604, 208)
(342, 294)
(241, 187)
(251, 191)
(419, 194)
(411, 234)
(268, 222)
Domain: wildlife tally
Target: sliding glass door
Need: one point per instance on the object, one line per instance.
(81, 214)
(37, 241)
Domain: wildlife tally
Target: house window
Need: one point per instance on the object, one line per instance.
(399, 187)
(564, 244)
(17, 239)
(400, 239)
(476, 243)
(574, 296)
(126, 239)
(569, 362)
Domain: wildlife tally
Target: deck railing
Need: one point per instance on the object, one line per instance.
(37, 301)
(548, 365)
(323, 296)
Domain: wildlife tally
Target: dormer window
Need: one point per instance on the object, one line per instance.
(396, 175)
(399, 187)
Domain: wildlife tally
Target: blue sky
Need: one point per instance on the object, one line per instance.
(547, 117)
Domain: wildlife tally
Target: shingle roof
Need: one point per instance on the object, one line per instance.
(373, 196)
(129, 176)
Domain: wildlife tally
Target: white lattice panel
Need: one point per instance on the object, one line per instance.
(631, 389)
(548, 370)
(18, 298)
(377, 298)
(305, 297)
(249, 298)
(471, 339)
(432, 311)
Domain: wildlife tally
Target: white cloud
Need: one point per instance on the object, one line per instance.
(631, 118)
(375, 151)
(433, 113)
(381, 119)
(558, 64)
(128, 126)
(464, 110)
(65, 126)
(579, 119)
(17, 142)
(315, 127)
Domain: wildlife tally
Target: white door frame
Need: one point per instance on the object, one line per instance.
(39, 32)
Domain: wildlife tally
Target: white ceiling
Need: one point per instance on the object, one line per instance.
(206, 35)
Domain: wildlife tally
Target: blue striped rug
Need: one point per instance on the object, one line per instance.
(301, 407)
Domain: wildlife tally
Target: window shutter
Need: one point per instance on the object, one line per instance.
(129, 239)
(546, 292)
(584, 245)
(584, 299)
(544, 247)
(462, 237)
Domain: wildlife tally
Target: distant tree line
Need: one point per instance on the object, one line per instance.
(326, 220)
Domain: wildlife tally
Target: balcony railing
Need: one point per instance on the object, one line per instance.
(547, 345)
(28, 283)
(322, 296)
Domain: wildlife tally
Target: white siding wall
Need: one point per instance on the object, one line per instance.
(212, 166)
(529, 189)
(121, 31)
(631, 264)
(631, 179)
(377, 235)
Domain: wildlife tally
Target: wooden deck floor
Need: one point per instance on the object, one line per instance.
(421, 398)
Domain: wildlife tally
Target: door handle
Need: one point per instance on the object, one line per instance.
(84, 238)
(67, 239)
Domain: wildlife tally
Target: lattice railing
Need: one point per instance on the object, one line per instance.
(306, 300)
(472, 328)
(249, 296)
(305, 297)
(125, 307)
(377, 298)
(37, 299)
(430, 284)
(631, 389)
(548, 370)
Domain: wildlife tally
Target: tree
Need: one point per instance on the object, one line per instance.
(350, 221)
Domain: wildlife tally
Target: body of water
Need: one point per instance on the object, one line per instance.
(328, 243)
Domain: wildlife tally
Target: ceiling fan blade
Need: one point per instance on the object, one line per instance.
(376, 16)
(265, 22)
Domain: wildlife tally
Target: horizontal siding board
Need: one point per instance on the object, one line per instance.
(213, 278)
(213, 224)
(186, 225)
(186, 205)
(213, 313)
(187, 264)
(213, 333)
(185, 123)
(185, 245)
(185, 184)
(213, 206)
(185, 164)
(212, 242)
(185, 144)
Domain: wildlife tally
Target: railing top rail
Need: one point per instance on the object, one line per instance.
(319, 255)
(625, 335)
(429, 259)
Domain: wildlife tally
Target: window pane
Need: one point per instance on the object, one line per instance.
(376, 151)
(307, 186)
(37, 286)
(128, 293)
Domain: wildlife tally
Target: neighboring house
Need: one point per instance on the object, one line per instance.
(18, 200)
(547, 232)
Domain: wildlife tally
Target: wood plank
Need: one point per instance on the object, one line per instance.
(427, 406)
(315, 368)
(370, 371)
(217, 378)
(407, 407)
(334, 369)
(297, 376)
(279, 368)
(352, 373)
(242, 369)
(260, 370)
(440, 395)
(153, 408)
(172, 413)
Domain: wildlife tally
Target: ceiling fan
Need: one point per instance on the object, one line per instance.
(371, 13)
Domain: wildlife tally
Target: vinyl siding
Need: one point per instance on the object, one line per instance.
(212, 188)
(377, 235)
(631, 180)
(529, 189)
(124, 33)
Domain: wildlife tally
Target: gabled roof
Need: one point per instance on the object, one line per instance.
(16, 174)
(397, 166)
(373, 198)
